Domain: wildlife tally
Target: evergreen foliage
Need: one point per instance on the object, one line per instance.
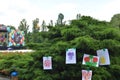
(86, 34)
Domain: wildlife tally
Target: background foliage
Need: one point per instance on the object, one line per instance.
(86, 34)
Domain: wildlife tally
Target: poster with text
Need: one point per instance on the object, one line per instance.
(104, 56)
(47, 63)
(71, 56)
(86, 74)
(90, 60)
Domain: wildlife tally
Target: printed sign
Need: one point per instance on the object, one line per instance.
(71, 56)
(90, 60)
(86, 74)
(47, 63)
(104, 56)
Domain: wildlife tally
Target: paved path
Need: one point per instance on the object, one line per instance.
(2, 78)
(19, 51)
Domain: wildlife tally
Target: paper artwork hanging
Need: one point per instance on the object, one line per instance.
(104, 56)
(86, 74)
(90, 60)
(71, 56)
(47, 63)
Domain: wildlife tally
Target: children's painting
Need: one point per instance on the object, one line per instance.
(90, 60)
(104, 56)
(86, 74)
(71, 56)
(47, 63)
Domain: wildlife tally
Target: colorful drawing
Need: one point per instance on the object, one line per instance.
(11, 37)
(71, 56)
(16, 38)
(90, 60)
(86, 74)
(104, 56)
(47, 63)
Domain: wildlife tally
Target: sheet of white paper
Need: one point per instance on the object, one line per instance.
(86, 74)
(90, 60)
(104, 56)
(47, 63)
(71, 56)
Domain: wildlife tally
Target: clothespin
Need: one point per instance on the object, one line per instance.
(88, 69)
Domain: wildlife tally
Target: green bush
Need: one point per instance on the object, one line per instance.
(86, 35)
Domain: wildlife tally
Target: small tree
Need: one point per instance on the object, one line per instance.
(60, 19)
(78, 16)
(24, 27)
(44, 27)
(35, 25)
(35, 29)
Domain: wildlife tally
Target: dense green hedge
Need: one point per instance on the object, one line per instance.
(87, 35)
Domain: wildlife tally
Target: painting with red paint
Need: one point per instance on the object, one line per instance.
(86, 74)
(47, 63)
(90, 60)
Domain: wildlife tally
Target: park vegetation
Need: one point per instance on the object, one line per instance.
(85, 33)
